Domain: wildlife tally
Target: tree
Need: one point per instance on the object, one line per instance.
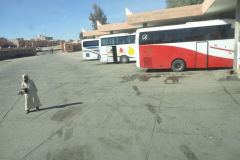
(179, 3)
(97, 15)
(4, 43)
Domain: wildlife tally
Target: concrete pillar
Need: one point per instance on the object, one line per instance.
(144, 25)
(236, 45)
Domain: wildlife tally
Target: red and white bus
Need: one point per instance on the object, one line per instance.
(204, 44)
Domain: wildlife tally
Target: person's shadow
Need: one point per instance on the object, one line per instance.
(60, 106)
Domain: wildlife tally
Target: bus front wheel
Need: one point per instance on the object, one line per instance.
(124, 59)
(178, 65)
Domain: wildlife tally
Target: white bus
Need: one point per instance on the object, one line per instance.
(203, 44)
(117, 48)
(90, 49)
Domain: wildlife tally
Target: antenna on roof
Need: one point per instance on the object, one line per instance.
(128, 12)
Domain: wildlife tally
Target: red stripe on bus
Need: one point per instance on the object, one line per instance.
(221, 49)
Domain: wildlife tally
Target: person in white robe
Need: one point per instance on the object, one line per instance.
(29, 90)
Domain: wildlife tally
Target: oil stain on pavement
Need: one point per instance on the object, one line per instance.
(153, 110)
(142, 78)
(172, 79)
(68, 134)
(59, 132)
(135, 88)
(111, 143)
(158, 119)
(188, 152)
(73, 153)
(65, 114)
(229, 78)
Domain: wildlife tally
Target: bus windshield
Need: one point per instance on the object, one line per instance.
(90, 43)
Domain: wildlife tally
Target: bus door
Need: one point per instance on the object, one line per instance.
(104, 51)
(201, 55)
(114, 51)
(109, 54)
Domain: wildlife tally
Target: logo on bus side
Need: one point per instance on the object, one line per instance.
(148, 50)
(145, 37)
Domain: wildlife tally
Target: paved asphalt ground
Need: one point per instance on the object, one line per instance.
(94, 111)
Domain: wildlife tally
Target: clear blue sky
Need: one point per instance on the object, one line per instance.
(62, 19)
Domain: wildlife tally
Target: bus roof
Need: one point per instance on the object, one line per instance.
(189, 25)
(84, 40)
(116, 35)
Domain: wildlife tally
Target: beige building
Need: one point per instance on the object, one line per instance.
(42, 38)
(115, 28)
(106, 29)
(94, 34)
(209, 9)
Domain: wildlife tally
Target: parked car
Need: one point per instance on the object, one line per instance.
(39, 49)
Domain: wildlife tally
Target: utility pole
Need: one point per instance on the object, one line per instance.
(236, 45)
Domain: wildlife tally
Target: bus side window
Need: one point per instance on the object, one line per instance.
(171, 36)
(113, 41)
(144, 38)
(197, 34)
(104, 41)
(119, 40)
(157, 37)
(227, 31)
(153, 37)
(84, 44)
(207, 33)
(180, 35)
(132, 39)
(122, 40)
(214, 33)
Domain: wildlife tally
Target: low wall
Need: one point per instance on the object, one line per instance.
(71, 47)
(7, 53)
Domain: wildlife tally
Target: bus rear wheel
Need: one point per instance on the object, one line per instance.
(178, 65)
(124, 59)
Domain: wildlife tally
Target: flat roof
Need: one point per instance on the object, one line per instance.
(94, 33)
(208, 7)
(170, 13)
(116, 27)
